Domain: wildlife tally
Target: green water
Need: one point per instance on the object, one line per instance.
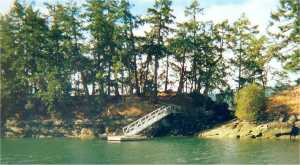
(158, 150)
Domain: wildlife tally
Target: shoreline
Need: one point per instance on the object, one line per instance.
(96, 129)
(247, 130)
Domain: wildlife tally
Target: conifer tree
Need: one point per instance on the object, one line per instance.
(159, 17)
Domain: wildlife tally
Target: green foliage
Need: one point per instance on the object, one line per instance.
(68, 51)
(160, 17)
(53, 93)
(250, 102)
(241, 43)
(287, 34)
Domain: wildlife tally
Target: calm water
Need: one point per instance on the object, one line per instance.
(160, 150)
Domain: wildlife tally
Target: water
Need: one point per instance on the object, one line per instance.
(159, 150)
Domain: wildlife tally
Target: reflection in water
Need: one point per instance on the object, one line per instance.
(160, 150)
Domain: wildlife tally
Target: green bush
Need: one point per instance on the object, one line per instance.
(250, 102)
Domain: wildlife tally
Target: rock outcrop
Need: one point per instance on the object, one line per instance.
(38, 128)
(242, 129)
(86, 133)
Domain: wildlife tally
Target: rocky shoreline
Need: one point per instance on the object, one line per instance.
(97, 128)
(49, 128)
(289, 129)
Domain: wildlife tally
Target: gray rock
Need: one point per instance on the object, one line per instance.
(47, 122)
(35, 129)
(292, 119)
(61, 130)
(256, 132)
(41, 136)
(11, 122)
(16, 130)
(284, 137)
(44, 130)
(281, 119)
(86, 133)
(82, 122)
(9, 134)
(57, 122)
(276, 132)
(129, 120)
(297, 124)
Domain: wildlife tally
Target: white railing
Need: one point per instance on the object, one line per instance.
(147, 120)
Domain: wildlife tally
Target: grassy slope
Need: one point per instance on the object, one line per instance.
(285, 102)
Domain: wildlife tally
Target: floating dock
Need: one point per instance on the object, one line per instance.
(126, 138)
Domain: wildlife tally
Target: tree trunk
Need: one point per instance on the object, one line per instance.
(130, 84)
(84, 84)
(116, 88)
(240, 67)
(155, 76)
(137, 87)
(156, 65)
(93, 89)
(182, 73)
(122, 81)
(145, 76)
(108, 79)
(206, 89)
(167, 74)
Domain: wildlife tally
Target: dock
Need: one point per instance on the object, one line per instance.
(126, 138)
(132, 131)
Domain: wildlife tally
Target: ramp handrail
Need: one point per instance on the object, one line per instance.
(147, 120)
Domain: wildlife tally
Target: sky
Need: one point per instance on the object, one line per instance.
(258, 11)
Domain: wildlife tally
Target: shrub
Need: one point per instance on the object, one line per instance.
(201, 100)
(221, 111)
(250, 102)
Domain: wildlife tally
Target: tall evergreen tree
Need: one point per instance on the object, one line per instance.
(159, 17)
(193, 11)
(13, 86)
(286, 30)
(130, 22)
(180, 45)
(101, 17)
(242, 34)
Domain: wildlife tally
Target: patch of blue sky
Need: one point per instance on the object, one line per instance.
(139, 6)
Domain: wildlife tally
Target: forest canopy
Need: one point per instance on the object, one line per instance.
(92, 50)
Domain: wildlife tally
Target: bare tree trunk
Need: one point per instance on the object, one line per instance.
(108, 79)
(137, 87)
(93, 88)
(122, 81)
(186, 86)
(181, 79)
(130, 84)
(156, 65)
(167, 74)
(240, 67)
(206, 89)
(84, 83)
(146, 76)
(116, 89)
